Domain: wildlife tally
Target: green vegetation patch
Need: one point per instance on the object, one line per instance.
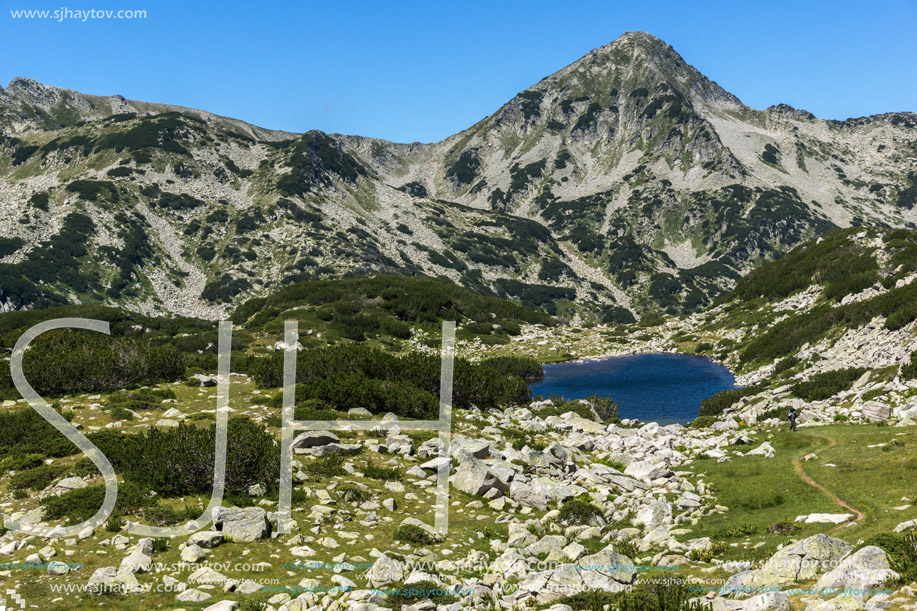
(821, 386)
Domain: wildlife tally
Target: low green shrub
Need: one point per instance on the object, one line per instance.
(737, 531)
(179, 461)
(37, 478)
(17, 462)
(387, 474)
(579, 512)
(724, 399)
(351, 493)
(326, 466)
(410, 533)
(821, 386)
(643, 596)
(523, 367)
(144, 399)
(702, 422)
(708, 553)
(81, 504)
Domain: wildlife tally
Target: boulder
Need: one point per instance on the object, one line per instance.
(192, 596)
(863, 570)
(463, 448)
(658, 513)
(208, 576)
(765, 449)
(549, 545)
(646, 471)
(824, 518)
(606, 571)
(385, 570)
(65, 485)
(875, 411)
(509, 564)
(311, 439)
(136, 562)
(242, 524)
(193, 554)
(767, 601)
(436, 463)
(474, 477)
(800, 561)
(840, 603)
(430, 448)
(58, 568)
(538, 492)
(109, 580)
(331, 448)
(208, 539)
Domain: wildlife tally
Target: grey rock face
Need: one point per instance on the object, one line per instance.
(311, 439)
(207, 539)
(474, 477)
(242, 524)
(802, 560)
(863, 570)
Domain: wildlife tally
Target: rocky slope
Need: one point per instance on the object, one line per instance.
(515, 540)
(623, 184)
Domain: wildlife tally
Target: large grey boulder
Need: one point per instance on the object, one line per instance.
(737, 584)
(767, 601)
(656, 514)
(429, 448)
(244, 524)
(463, 448)
(192, 595)
(136, 562)
(765, 449)
(207, 576)
(861, 571)
(385, 570)
(193, 554)
(474, 477)
(509, 564)
(540, 491)
(875, 411)
(549, 545)
(311, 439)
(646, 471)
(607, 571)
(801, 561)
(208, 539)
(839, 603)
(110, 580)
(65, 485)
(332, 448)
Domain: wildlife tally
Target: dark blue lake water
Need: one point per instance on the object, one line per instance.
(657, 387)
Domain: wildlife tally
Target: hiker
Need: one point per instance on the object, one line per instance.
(792, 418)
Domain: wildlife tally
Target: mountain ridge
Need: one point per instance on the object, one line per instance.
(625, 183)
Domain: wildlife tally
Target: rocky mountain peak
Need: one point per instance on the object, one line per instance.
(625, 183)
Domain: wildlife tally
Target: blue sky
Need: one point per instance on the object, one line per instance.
(420, 71)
